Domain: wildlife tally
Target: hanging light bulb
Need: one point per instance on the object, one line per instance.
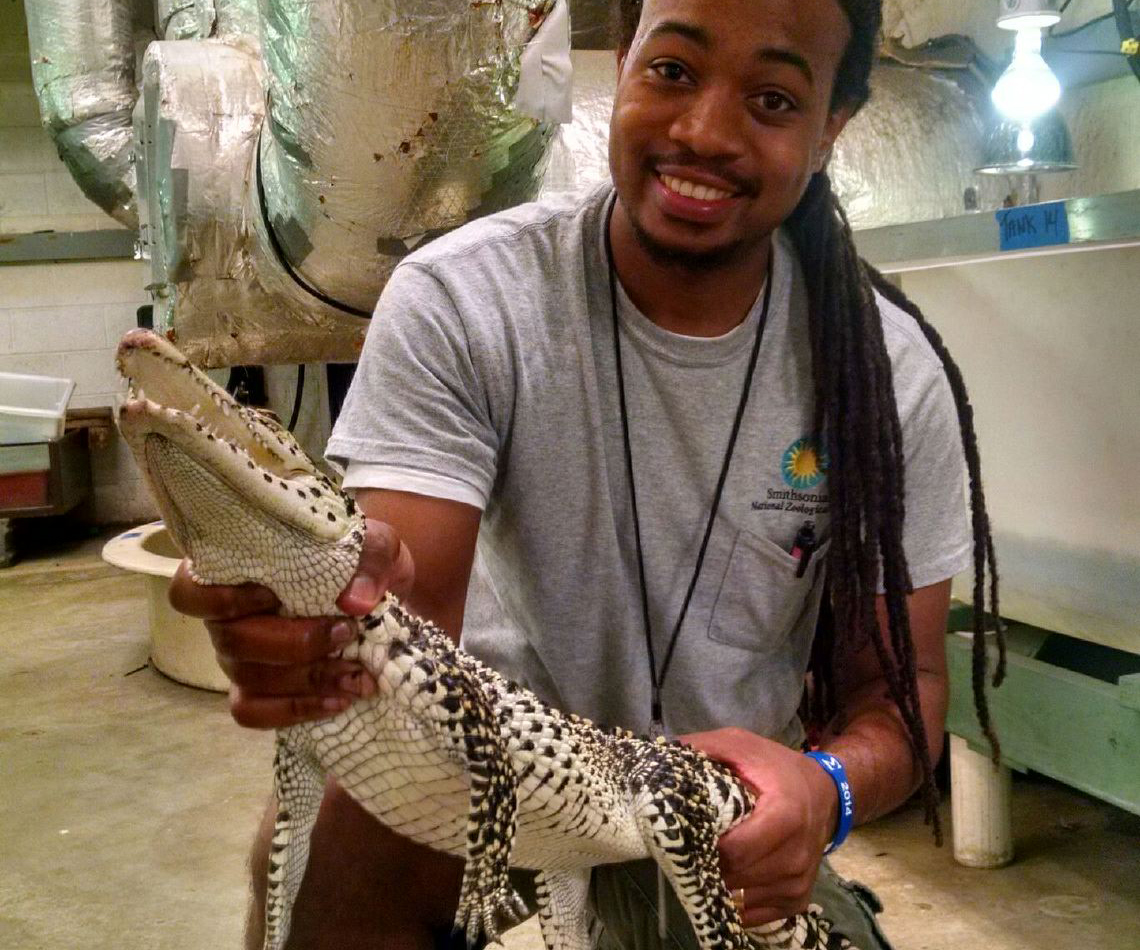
(1027, 135)
(1027, 89)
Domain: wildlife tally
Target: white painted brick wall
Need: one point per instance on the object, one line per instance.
(65, 320)
(23, 153)
(18, 106)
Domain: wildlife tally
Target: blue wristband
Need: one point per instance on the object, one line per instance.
(838, 774)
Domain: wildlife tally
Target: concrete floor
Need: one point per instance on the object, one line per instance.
(128, 802)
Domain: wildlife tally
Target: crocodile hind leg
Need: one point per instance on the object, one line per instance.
(300, 785)
(563, 909)
(679, 828)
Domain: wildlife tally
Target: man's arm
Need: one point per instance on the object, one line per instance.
(874, 746)
(775, 854)
(418, 547)
(440, 536)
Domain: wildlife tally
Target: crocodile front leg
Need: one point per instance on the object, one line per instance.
(299, 782)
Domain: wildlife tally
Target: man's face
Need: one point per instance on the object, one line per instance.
(721, 117)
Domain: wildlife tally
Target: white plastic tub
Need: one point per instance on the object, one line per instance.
(32, 408)
(179, 645)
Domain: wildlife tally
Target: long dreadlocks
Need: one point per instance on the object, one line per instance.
(856, 417)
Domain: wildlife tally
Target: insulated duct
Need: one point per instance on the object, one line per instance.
(205, 19)
(390, 122)
(592, 24)
(83, 69)
(284, 172)
(275, 219)
(910, 153)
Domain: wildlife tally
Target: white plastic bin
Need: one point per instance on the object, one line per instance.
(32, 408)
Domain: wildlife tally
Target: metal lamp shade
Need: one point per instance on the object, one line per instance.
(1051, 149)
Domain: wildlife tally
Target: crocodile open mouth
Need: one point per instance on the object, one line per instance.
(245, 450)
(161, 380)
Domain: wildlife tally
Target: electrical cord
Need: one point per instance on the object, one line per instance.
(279, 251)
(1128, 38)
(1055, 35)
(295, 415)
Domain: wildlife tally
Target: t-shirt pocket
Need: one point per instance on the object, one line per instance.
(761, 599)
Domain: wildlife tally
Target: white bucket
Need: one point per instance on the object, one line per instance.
(180, 646)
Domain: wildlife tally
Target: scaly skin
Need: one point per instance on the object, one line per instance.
(448, 753)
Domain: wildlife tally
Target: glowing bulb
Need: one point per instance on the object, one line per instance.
(1028, 88)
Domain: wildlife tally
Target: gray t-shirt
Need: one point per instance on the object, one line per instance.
(488, 377)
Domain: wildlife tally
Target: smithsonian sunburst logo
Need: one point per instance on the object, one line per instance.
(804, 464)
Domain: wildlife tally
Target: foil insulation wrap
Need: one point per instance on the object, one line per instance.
(184, 19)
(219, 290)
(389, 123)
(910, 153)
(203, 19)
(579, 155)
(593, 24)
(83, 69)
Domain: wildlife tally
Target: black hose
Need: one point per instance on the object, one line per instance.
(297, 397)
(279, 251)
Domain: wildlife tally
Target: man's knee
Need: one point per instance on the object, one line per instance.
(364, 885)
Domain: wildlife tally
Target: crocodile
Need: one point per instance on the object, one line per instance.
(447, 752)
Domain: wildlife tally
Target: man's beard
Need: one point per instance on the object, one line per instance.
(718, 258)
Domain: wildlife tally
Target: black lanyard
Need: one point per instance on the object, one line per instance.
(657, 679)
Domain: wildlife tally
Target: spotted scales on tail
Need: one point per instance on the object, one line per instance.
(448, 752)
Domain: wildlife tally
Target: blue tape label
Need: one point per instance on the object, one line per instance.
(1033, 226)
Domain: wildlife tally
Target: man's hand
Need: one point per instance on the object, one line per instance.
(280, 667)
(774, 854)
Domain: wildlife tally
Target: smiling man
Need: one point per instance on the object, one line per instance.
(677, 416)
(723, 113)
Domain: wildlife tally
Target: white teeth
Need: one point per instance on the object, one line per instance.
(689, 189)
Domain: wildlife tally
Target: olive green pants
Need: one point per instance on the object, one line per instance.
(624, 898)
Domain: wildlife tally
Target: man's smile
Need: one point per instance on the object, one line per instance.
(692, 189)
(694, 196)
